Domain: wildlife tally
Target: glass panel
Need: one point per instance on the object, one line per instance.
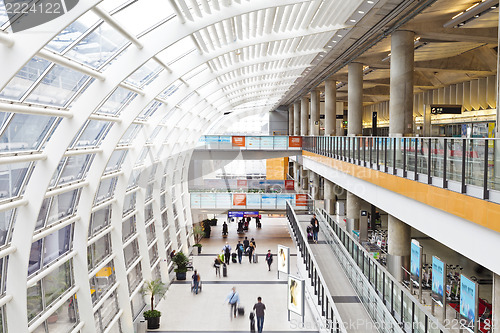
(98, 47)
(57, 244)
(399, 153)
(144, 153)
(11, 179)
(106, 189)
(108, 310)
(454, 156)
(35, 257)
(129, 203)
(34, 301)
(98, 251)
(3, 19)
(134, 178)
(117, 101)
(146, 73)
(149, 110)
(423, 153)
(150, 233)
(128, 228)
(148, 212)
(134, 277)
(24, 79)
(390, 152)
(175, 51)
(397, 303)
(410, 154)
(407, 312)
(72, 32)
(131, 252)
(57, 87)
(115, 161)
(64, 318)
(130, 134)
(137, 304)
(474, 162)
(102, 282)
(99, 220)
(25, 132)
(63, 205)
(93, 133)
(419, 321)
(153, 255)
(171, 90)
(437, 157)
(74, 168)
(56, 283)
(6, 221)
(143, 16)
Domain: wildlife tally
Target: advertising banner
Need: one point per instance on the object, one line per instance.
(266, 142)
(295, 295)
(415, 260)
(240, 183)
(225, 142)
(280, 142)
(253, 142)
(300, 199)
(207, 200)
(253, 200)
(281, 200)
(438, 281)
(223, 200)
(289, 185)
(295, 142)
(268, 200)
(239, 199)
(238, 141)
(468, 301)
(195, 200)
(284, 259)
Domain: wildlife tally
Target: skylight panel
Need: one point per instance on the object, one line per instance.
(145, 74)
(143, 14)
(118, 100)
(24, 79)
(176, 50)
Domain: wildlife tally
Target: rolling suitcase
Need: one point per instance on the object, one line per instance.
(255, 258)
(233, 258)
(309, 237)
(241, 311)
(224, 270)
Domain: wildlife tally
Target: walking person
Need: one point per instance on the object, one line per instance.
(227, 253)
(245, 243)
(315, 228)
(233, 299)
(254, 250)
(259, 308)
(269, 259)
(217, 263)
(196, 281)
(251, 248)
(239, 250)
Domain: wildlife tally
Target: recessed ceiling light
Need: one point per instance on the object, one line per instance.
(361, 12)
(370, 2)
(352, 21)
(339, 36)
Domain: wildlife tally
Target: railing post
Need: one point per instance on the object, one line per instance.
(404, 158)
(364, 152)
(370, 155)
(486, 194)
(445, 159)
(416, 158)
(385, 154)
(376, 150)
(394, 156)
(464, 152)
(429, 162)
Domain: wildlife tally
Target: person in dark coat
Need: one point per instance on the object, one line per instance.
(315, 228)
(251, 249)
(269, 259)
(227, 253)
(239, 250)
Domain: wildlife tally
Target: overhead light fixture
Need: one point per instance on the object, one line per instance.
(339, 36)
(353, 21)
(471, 13)
(370, 2)
(361, 12)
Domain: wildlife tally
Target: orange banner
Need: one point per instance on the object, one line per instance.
(300, 199)
(239, 199)
(238, 141)
(294, 141)
(241, 183)
(289, 185)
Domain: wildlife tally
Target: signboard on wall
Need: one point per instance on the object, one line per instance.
(468, 303)
(238, 141)
(438, 281)
(289, 184)
(283, 259)
(294, 142)
(446, 109)
(301, 200)
(295, 295)
(239, 199)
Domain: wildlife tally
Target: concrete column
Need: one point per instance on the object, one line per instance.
(329, 196)
(495, 311)
(398, 244)
(314, 128)
(314, 181)
(354, 99)
(304, 116)
(330, 107)
(304, 183)
(296, 118)
(353, 206)
(290, 120)
(401, 85)
(298, 175)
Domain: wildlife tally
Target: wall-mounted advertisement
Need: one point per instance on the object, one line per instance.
(266, 142)
(301, 200)
(239, 199)
(438, 281)
(212, 141)
(253, 200)
(284, 259)
(289, 184)
(296, 295)
(269, 201)
(468, 302)
(195, 200)
(223, 200)
(280, 142)
(207, 200)
(415, 261)
(241, 183)
(225, 142)
(253, 142)
(295, 142)
(281, 200)
(238, 141)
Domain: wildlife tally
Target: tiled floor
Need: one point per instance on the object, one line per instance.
(182, 311)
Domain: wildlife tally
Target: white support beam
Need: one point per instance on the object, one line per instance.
(84, 151)
(63, 61)
(158, 60)
(66, 188)
(23, 158)
(112, 22)
(132, 88)
(177, 11)
(96, 116)
(6, 39)
(34, 110)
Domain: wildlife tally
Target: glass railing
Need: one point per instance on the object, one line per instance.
(462, 165)
(375, 284)
(239, 142)
(243, 185)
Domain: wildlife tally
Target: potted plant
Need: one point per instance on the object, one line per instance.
(198, 234)
(207, 228)
(182, 263)
(154, 288)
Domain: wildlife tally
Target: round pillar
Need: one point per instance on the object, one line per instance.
(314, 124)
(304, 116)
(290, 120)
(296, 118)
(329, 195)
(401, 85)
(398, 244)
(354, 99)
(314, 180)
(330, 107)
(353, 205)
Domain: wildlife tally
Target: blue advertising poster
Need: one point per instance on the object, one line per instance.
(438, 275)
(468, 300)
(280, 142)
(242, 213)
(281, 200)
(268, 200)
(415, 257)
(225, 142)
(253, 200)
(266, 142)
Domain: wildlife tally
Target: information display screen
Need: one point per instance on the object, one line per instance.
(438, 281)
(415, 261)
(468, 301)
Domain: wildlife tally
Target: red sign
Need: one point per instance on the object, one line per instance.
(294, 141)
(300, 199)
(289, 185)
(241, 183)
(239, 199)
(238, 141)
